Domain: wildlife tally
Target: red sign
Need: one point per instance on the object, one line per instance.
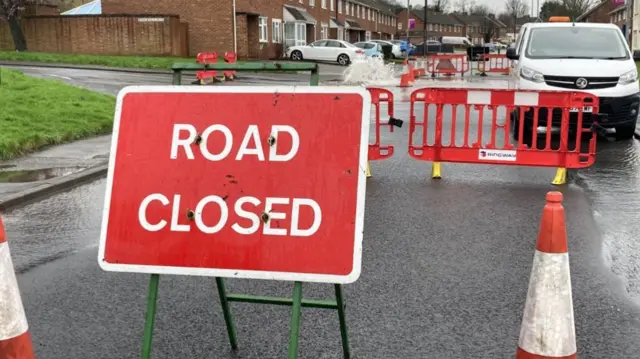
(248, 182)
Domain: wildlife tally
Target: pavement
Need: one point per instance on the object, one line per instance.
(446, 266)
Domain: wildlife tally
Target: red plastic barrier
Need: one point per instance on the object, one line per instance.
(448, 64)
(476, 111)
(493, 63)
(378, 97)
(206, 58)
(230, 58)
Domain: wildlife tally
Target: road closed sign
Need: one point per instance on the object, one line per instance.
(246, 182)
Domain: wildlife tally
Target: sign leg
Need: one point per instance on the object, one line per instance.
(295, 320)
(346, 350)
(151, 316)
(226, 312)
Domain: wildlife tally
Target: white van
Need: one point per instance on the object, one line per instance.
(589, 57)
(455, 40)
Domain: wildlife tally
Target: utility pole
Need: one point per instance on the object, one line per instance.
(408, 22)
(629, 21)
(425, 36)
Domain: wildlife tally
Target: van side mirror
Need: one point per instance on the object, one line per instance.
(511, 54)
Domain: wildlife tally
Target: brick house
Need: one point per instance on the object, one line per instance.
(598, 13)
(477, 27)
(264, 28)
(438, 25)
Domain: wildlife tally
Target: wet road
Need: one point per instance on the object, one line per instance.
(445, 271)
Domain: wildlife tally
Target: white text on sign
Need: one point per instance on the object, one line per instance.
(246, 147)
(240, 210)
(246, 208)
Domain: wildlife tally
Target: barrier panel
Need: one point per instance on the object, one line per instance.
(376, 152)
(419, 67)
(448, 64)
(493, 63)
(230, 58)
(206, 58)
(523, 113)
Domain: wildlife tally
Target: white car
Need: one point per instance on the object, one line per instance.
(339, 51)
(395, 48)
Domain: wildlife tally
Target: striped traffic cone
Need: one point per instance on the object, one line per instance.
(15, 341)
(548, 329)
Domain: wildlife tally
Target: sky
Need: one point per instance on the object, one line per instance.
(495, 5)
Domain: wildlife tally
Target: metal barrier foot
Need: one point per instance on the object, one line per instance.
(561, 177)
(368, 170)
(435, 171)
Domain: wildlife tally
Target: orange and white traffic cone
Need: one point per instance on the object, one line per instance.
(548, 329)
(15, 341)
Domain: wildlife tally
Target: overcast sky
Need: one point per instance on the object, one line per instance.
(495, 5)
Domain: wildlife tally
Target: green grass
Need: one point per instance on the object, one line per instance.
(134, 62)
(35, 113)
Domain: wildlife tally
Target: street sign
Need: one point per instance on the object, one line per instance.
(244, 182)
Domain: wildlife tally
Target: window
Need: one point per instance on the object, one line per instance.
(362, 13)
(312, 3)
(324, 32)
(324, 4)
(579, 42)
(347, 8)
(333, 43)
(332, 4)
(262, 25)
(276, 31)
(367, 36)
(339, 6)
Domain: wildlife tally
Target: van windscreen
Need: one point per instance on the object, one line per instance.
(576, 42)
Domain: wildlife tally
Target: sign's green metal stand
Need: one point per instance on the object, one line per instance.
(296, 302)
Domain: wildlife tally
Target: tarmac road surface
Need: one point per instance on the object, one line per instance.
(446, 266)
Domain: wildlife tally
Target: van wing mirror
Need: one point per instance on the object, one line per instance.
(511, 54)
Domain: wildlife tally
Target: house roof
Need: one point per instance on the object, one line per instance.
(477, 20)
(592, 9)
(436, 18)
(353, 24)
(90, 8)
(382, 5)
(617, 9)
(299, 14)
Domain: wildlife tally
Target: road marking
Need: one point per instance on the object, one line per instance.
(62, 77)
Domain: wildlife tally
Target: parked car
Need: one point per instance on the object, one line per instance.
(338, 51)
(395, 48)
(371, 49)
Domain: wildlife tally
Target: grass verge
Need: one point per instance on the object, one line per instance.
(37, 113)
(134, 62)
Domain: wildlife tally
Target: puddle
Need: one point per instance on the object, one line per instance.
(35, 175)
(6, 166)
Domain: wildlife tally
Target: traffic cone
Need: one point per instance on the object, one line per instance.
(548, 329)
(15, 341)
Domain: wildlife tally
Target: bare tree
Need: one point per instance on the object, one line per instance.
(9, 12)
(515, 10)
(577, 7)
(440, 5)
(482, 10)
(464, 6)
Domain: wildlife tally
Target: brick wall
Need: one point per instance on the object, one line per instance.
(210, 21)
(101, 35)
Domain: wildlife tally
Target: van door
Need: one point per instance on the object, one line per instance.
(515, 70)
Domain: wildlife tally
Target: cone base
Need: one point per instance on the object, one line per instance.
(19, 347)
(521, 354)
